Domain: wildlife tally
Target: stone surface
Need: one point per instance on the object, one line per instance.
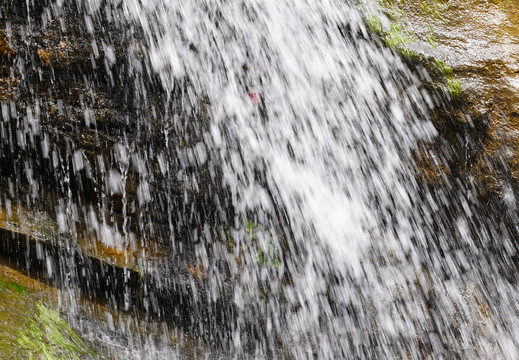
(104, 178)
(107, 331)
(479, 41)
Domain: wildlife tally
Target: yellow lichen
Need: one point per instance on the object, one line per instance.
(46, 56)
(197, 271)
(6, 87)
(5, 49)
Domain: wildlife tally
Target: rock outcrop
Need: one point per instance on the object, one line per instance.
(118, 168)
(471, 52)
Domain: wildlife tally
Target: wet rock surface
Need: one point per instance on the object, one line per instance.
(479, 41)
(86, 178)
(475, 154)
(71, 114)
(129, 335)
(470, 52)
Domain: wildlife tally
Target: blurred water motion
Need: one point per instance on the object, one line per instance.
(244, 170)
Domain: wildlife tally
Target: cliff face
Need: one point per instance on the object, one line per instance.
(480, 39)
(82, 124)
(91, 176)
(471, 51)
(83, 114)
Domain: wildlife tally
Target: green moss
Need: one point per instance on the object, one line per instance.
(48, 336)
(374, 24)
(432, 40)
(269, 255)
(454, 87)
(251, 227)
(443, 67)
(393, 9)
(17, 288)
(229, 240)
(30, 330)
(433, 9)
(398, 35)
(398, 39)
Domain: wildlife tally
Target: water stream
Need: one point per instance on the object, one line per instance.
(299, 214)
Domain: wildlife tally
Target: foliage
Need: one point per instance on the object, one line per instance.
(432, 40)
(393, 8)
(266, 255)
(433, 9)
(454, 87)
(269, 256)
(251, 227)
(443, 67)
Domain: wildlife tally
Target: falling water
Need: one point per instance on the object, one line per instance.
(299, 212)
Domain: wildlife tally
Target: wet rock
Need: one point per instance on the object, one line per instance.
(476, 43)
(93, 156)
(68, 104)
(108, 332)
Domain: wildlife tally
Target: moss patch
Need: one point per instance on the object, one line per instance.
(398, 39)
(32, 330)
(12, 286)
(453, 84)
(398, 35)
(48, 336)
(257, 240)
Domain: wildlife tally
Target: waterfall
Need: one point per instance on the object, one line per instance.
(324, 159)
(269, 146)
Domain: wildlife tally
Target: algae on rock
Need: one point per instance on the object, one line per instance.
(31, 330)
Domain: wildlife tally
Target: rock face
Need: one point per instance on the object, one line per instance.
(81, 143)
(475, 42)
(83, 140)
(78, 135)
(480, 40)
(469, 171)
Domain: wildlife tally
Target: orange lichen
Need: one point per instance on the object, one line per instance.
(46, 56)
(126, 256)
(5, 49)
(56, 54)
(62, 51)
(6, 87)
(114, 255)
(37, 226)
(197, 271)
